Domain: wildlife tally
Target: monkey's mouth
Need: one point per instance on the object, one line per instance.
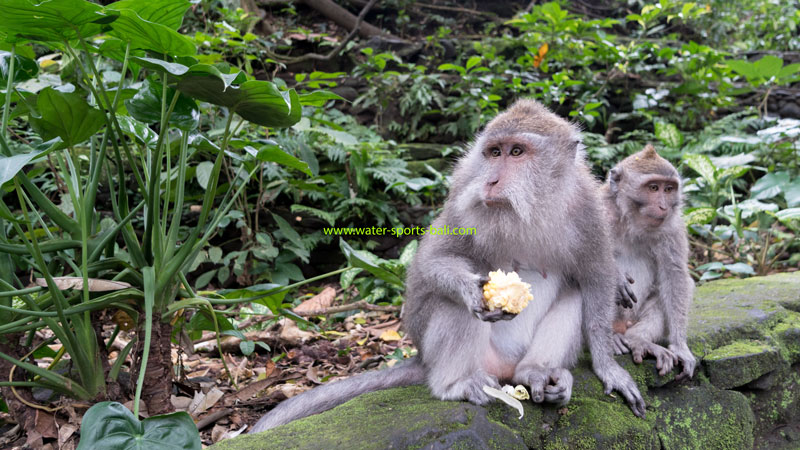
(496, 202)
(653, 221)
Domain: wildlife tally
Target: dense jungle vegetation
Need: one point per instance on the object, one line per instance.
(168, 171)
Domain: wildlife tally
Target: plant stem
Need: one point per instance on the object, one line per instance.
(9, 85)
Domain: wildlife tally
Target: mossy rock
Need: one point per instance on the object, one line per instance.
(745, 333)
(702, 417)
(394, 418)
(741, 362)
(733, 309)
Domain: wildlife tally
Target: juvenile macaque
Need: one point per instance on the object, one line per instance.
(526, 188)
(643, 196)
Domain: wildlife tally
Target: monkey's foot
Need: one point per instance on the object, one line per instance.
(685, 357)
(665, 359)
(551, 385)
(469, 388)
(615, 378)
(619, 344)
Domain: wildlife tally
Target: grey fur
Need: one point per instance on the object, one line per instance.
(655, 257)
(554, 225)
(550, 227)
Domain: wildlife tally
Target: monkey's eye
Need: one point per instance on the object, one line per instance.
(516, 151)
(495, 151)
(668, 189)
(653, 187)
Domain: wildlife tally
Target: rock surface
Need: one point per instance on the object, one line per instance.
(745, 395)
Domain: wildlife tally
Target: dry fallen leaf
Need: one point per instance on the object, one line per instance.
(320, 301)
(202, 402)
(291, 334)
(390, 335)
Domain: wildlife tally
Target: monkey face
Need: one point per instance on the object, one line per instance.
(656, 197)
(513, 166)
(505, 162)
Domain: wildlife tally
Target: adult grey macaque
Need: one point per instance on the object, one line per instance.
(643, 197)
(526, 188)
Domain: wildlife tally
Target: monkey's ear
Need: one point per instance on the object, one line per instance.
(614, 175)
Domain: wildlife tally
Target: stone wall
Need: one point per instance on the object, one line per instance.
(745, 395)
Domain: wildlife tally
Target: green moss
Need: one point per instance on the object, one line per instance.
(733, 309)
(737, 349)
(742, 362)
(703, 417)
(599, 423)
(787, 334)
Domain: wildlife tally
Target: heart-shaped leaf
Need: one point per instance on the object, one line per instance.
(141, 33)
(165, 12)
(145, 106)
(258, 101)
(52, 20)
(66, 115)
(24, 68)
(109, 425)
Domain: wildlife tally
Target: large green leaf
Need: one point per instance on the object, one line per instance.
(791, 193)
(66, 115)
(668, 134)
(273, 153)
(137, 130)
(768, 66)
(165, 12)
(369, 262)
(24, 68)
(159, 65)
(11, 165)
(258, 101)
(769, 185)
(109, 425)
(52, 20)
(145, 107)
(699, 216)
(787, 215)
(141, 33)
(744, 68)
(702, 165)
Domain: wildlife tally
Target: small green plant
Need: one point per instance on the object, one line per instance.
(769, 72)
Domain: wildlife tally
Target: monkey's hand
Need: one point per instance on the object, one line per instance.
(686, 359)
(619, 344)
(615, 378)
(478, 305)
(665, 359)
(625, 295)
(551, 385)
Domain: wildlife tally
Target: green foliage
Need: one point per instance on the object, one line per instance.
(109, 425)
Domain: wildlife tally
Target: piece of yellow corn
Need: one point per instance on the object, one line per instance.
(506, 291)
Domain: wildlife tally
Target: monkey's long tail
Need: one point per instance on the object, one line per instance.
(325, 397)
